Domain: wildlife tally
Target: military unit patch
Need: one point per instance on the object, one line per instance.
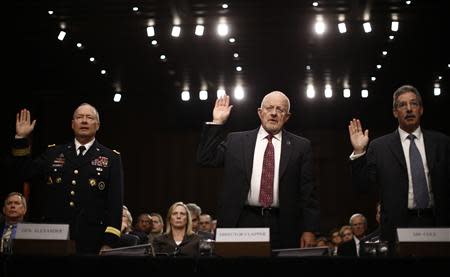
(101, 185)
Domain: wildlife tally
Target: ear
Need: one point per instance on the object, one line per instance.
(260, 113)
(73, 123)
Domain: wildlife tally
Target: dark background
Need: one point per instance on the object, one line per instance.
(157, 133)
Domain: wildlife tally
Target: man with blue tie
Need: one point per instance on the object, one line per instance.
(410, 167)
(14, 210)
(268, 178)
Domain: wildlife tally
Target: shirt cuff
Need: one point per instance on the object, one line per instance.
(354, 156)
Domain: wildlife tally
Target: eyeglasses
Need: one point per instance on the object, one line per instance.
(407, 105)
(278, 110)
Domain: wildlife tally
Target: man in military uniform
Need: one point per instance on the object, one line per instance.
(82, 180)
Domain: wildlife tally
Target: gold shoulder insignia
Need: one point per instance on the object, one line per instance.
(117, 152)
(51, 145)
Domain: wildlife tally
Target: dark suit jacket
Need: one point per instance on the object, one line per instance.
(85, 192)
(298, 203)
(348, 248)
(384, 167)
(188, 247)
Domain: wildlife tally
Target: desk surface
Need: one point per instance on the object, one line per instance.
(87, 266)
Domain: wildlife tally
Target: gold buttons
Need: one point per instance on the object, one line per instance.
(72, 192)
(74, 182)
(71, 204)
(75, 171)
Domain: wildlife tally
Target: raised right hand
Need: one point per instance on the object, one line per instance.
(24, 126)
(222, 109)
(358, 138)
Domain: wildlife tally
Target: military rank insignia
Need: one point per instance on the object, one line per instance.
(100, 161)
(101, 185)
(92, 182)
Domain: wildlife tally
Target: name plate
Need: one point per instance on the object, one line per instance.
(423, 234)
(42, 231)
(242, 235)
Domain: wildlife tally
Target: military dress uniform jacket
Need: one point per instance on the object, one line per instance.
(85, 192)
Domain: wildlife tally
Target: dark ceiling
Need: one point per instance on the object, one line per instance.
(274, 39)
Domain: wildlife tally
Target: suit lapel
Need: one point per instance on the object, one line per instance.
(396, 147)
(249, 151)
(286, 150)
(430, 149)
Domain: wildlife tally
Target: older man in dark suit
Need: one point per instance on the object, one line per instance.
(410, 167)
(268, 179)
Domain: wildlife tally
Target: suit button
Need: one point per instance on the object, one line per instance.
(71, 204)
(75, 171)
(74, 182)
(72, 192)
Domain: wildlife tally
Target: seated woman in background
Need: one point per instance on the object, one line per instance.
(178, 240)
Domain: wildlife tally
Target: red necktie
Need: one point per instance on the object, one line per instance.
(267, 175)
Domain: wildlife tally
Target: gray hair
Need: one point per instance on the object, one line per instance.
(87, 104)
(404, 89)
(20, 195)
(277, 92)
(357, 215)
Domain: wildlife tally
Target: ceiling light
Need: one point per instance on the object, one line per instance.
(394, 26)
(61, 35)
(364, 93)
(203, 95)
(437, 91)
(328, 91)
(199, 29)
(239, 93)
(150, 31)
(342, 27)
(220, 93)
(185, 96)
(222, 29)
(176, 30)
(346, 93)
(310, 92)
(367, 27)
(117, 97)
(319, 27)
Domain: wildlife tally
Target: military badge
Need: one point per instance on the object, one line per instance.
(101, 185)
(92, 182)
(58, 180)
(100, 161)
(49, 180)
